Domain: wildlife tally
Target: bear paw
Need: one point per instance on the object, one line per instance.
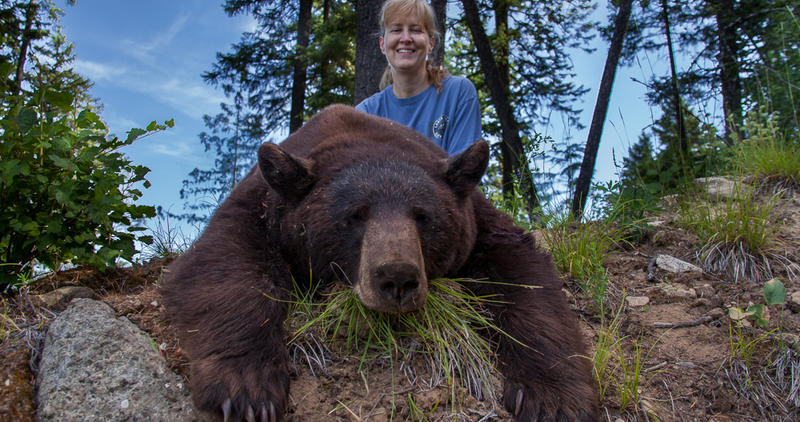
(541, 404)
(239, 389)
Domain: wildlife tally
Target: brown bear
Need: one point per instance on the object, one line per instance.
(377, 204)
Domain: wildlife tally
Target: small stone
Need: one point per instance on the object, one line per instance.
(677, 291)
(154, 304)
(125, 404)
(58, 299)
(637, 301)
(706, 290)
(701, 302)
(794, 301)
(379, 415)
(716, 313)
(674, 265)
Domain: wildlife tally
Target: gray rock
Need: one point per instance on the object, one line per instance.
(718, 188)
(96, 367)
(59, 298)
(674, 265)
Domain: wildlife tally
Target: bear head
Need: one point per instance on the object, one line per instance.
(383, 213)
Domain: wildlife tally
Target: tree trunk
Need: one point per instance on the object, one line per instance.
(730, 82)
(299, 71)
(676, 94)
(370, 62)
(501, 56)
(502, 105)
(584, 180)
(30, 15)
(440, 9)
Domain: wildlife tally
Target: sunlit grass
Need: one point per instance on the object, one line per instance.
(448, 332)
(739, 236)
(580, 250)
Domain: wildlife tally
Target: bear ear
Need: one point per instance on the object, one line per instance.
(290, 176)
(465, 170)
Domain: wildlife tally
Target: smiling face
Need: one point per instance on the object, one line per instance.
(406, 43)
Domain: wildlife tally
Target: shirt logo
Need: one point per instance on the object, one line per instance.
(439, 126)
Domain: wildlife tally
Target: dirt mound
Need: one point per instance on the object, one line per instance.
(694, 363)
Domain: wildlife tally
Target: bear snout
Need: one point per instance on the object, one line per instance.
(391, 272)
(399, 283)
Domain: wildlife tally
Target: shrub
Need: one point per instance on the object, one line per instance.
(66, 192)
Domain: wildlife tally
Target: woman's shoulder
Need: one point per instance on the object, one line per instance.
(458, 85)
(372, 103)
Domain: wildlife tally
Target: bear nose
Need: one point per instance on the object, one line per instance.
(398, 282)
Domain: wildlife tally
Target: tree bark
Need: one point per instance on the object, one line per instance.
(584, 180)
(501, 56)
(300, 75)
(676, 94)
(440, 9)
(502, 105)
(30, 15)
(370, 62)
(730, 82)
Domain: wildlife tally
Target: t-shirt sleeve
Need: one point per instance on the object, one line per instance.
(367, 105)
(466, 124)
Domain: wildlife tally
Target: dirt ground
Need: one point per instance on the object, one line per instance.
(686, 373)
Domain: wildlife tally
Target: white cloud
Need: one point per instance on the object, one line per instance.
(98, 71)
(143, 49)
(170, 148)
(188, 95)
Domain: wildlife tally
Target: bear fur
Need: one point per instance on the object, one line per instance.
(374, 203)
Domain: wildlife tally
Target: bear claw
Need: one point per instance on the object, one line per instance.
(264, 415)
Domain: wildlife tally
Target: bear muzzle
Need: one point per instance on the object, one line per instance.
(392, 270)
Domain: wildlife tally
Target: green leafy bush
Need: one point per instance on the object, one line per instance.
(66, 192)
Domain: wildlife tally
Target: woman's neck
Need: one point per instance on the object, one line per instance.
(406, 85)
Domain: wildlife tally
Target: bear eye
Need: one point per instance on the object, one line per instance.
(420, 215)
(358, 215)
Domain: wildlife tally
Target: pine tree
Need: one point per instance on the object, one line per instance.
(255, 76)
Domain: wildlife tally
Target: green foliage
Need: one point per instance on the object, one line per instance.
(774, 294)
(67, 195)
(613, 370)
(629, 207)
(605, 350)
(664, 169)
(256, 76)
(580, 250)
(766, 154)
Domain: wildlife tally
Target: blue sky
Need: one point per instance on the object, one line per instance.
(146, 59)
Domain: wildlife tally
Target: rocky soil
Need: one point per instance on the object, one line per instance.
(677, 319)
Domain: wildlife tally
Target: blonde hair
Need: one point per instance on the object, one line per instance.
(392, 8)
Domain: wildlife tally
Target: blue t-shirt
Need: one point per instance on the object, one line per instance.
(450, 118)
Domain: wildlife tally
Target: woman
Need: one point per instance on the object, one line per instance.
(442, 107)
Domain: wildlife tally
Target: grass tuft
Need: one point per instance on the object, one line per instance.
(447, 332)
(580, 250)
(772, 160)
(740, 236)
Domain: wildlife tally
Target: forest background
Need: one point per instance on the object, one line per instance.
(689, 74)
